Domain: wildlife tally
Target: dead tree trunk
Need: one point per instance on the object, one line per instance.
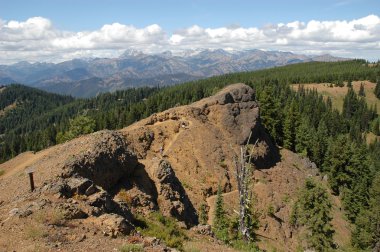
(244, 174)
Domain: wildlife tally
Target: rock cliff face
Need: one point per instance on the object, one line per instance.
(172, 197)
(200, 140)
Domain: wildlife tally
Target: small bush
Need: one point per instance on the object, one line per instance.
(123, 195)
(270, 210)
(50, 216)
(132, 248)
(286, 198)
(164, 228)
(2, 172)
(242, 245)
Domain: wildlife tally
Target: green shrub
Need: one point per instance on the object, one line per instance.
(132, 248)
(242, 245)
(164, 228)
(2, 172)
(270, 210)
(203, 214)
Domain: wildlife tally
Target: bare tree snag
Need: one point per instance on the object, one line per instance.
(244, 175)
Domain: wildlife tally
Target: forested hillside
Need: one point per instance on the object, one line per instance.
(301, 121)
(35, 126)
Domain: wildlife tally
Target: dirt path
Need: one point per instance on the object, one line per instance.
(211, 203)
(181, 130)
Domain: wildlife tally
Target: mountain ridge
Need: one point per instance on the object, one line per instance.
(134, 68)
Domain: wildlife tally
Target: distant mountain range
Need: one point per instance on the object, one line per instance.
(88, 77)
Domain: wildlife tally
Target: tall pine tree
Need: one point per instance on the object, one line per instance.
(290, 125)
(220, 224)
(313, 210)
(377, 89)
(361, 90)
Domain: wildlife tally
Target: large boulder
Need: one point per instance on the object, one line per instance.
(113, 225)
(106, 161)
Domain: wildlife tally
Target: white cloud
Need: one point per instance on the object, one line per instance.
(36, 39)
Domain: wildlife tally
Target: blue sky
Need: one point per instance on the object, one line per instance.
(77, 15)
(58, 30)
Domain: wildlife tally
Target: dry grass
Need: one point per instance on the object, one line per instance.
(8, 108)
(35, 231)
(132, 248)
(50, 216)
(337, 94)
(124, 195)
(79, 197)
(371, 138)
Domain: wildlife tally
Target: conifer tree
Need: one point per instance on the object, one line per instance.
(203, 214)
(377, 89)
(367, 229)
(78, 126)
(335, 164)
(220, 225)
(290, 125)
(320, 142)
(349, 84)
(270, 113)
(350, 104)
(376, 126)
(313, 210)
(303, 138)
(361, 90)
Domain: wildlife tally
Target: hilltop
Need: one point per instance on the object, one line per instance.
(104, 184)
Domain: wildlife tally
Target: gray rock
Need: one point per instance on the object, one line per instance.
(203, 229)
(172, 198)
(113, 224)
(105, 163)
(78, 185)
(71, 211)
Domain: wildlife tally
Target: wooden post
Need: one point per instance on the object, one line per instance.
(30, 171)
(31, 181)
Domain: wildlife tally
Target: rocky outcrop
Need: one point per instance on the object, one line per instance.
(113, 225)
(199, 141)
(106, 161)
(172, 198)
(234, 110)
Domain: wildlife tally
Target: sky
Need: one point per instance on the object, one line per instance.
(58, 30)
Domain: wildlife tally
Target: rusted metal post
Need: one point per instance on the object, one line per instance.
(30, 171)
